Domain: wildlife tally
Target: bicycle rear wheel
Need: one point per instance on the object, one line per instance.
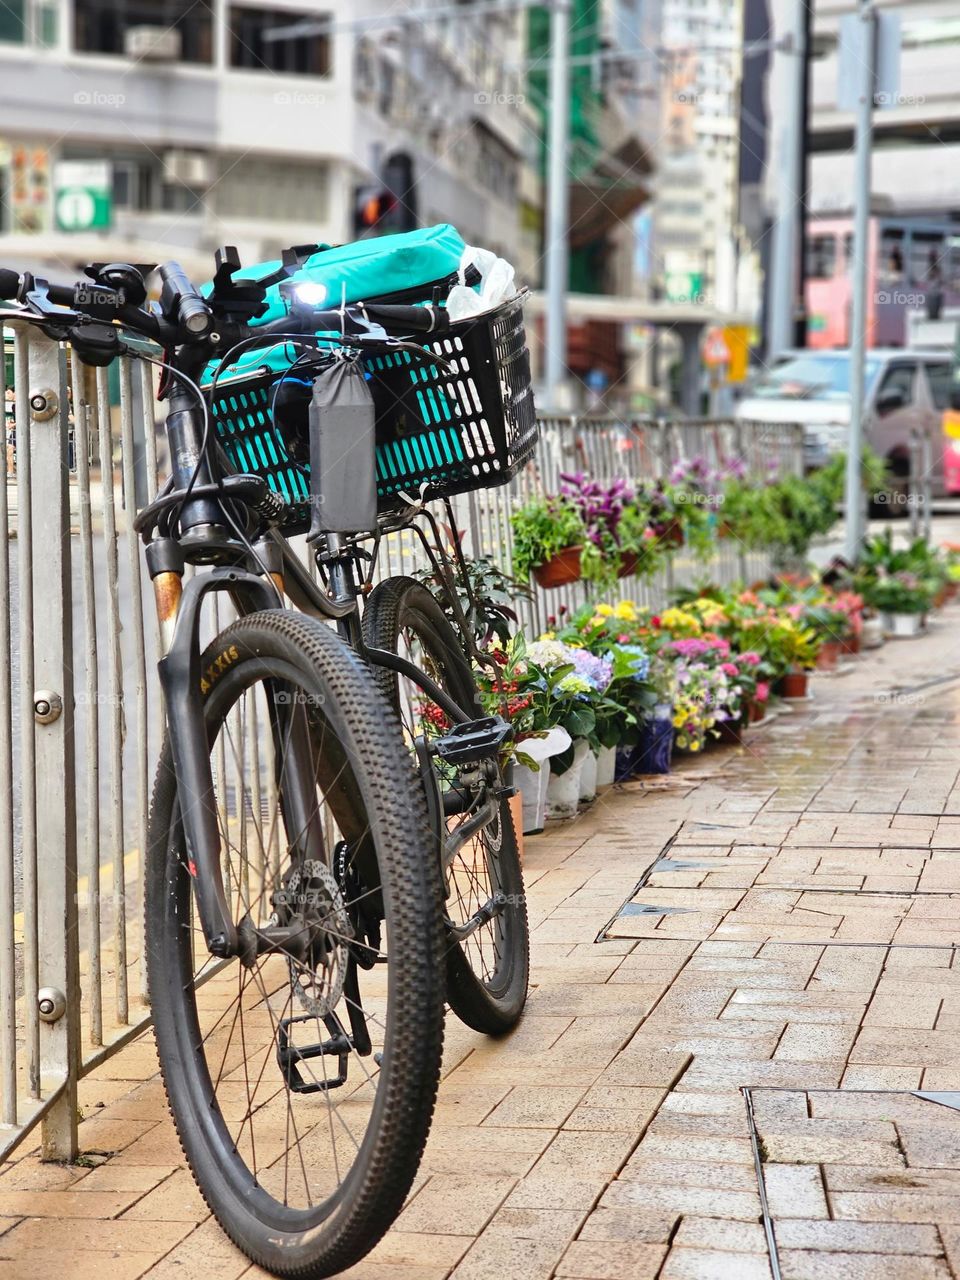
(488, 971)
(303, 1138)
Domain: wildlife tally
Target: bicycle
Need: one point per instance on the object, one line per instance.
(383, 870)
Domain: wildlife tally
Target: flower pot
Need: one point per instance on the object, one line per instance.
(730, 731)
(671, 533)
(516, 814)
(628, 564)
(532, 787)
(871, 637)
(850, 645)
(941, 597)
(952, 589)
(563, 790)
(606, 767)
(757, 711)
(562, 569)
(794, 684)
(588, 779)
(902, 626)
(829, 655)
(653, 749)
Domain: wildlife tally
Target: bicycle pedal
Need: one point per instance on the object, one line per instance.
(289, 1055)
(472, 741)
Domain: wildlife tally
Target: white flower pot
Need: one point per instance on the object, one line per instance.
(588, 779)
(903, 625)
(533, 792)
(871, 637)
(606, 767)
(563, 791)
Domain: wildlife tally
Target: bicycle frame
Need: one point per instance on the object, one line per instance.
(179, 611)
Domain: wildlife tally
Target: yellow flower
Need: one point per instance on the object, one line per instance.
(694, 746)
(626, 610)
(549, 635)
(678, 722)
(604, 610)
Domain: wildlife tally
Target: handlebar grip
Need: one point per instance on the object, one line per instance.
(9, 283)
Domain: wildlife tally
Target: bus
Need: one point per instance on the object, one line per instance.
(913, 265)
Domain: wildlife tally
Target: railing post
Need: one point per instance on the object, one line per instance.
(59, 994)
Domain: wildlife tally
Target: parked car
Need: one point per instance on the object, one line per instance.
(905, 390)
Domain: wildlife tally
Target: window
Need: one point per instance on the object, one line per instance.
(898, 380)
(101, 26)
(940, 378)
(821, 257)
(301, 54)
(29, 22)
(272, 191)
(927, 254)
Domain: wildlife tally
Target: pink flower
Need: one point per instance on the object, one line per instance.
(624, 639)
(762, 692)
(751, 658)
(729, 668)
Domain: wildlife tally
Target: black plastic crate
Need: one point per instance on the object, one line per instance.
(469, 425)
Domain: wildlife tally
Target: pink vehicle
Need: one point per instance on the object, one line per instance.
(912, 262)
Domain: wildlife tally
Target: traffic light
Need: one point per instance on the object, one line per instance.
(390, 205)
(373, 207)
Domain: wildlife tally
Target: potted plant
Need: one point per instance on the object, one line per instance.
(902, 599)
(795, 648)
(569, 699)
(514, 687)
(548, 536)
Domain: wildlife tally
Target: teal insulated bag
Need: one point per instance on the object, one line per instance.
(440, 429)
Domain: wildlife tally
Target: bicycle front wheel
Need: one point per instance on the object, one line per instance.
(302, 1080)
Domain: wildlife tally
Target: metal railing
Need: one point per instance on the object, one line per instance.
(80, 710)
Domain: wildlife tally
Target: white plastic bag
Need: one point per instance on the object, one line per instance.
(496, 284)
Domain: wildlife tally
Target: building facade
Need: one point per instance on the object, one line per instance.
(144, 129)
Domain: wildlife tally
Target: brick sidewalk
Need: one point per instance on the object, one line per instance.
(775, 980)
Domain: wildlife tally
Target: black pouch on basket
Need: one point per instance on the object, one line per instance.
(343, 482)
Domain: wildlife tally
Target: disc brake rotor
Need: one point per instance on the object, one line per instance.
(319, 987)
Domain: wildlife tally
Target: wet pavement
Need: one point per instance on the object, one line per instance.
(740, 1057)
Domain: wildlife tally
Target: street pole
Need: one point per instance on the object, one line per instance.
(782, 292)
(861, 220)
(558, 197)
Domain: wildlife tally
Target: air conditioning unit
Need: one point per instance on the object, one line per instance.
(152, 44)
(193, 169)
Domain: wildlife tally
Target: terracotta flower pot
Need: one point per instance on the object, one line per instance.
(628, 564)
(671, 533)
(952, 589)
(794, 684)
(828, 656)
(942, 596)
(563, 568)
(757, 711)
(850, 644)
